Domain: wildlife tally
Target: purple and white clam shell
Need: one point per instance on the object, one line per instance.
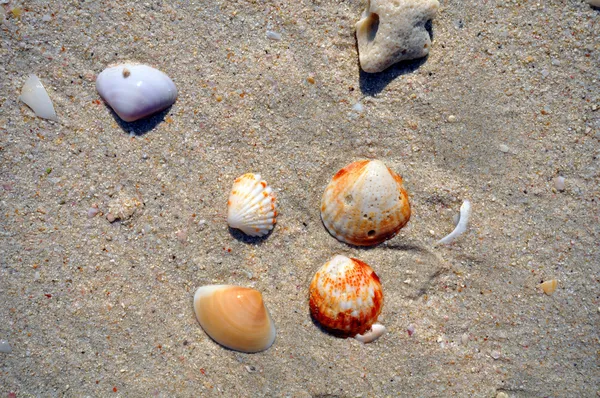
(136, 91)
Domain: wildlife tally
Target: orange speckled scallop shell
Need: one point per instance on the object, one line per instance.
(345, 296)
(365, 204)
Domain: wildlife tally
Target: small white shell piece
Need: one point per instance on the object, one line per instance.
(376, 331)
(461, 227)
(34, 95)
(136, 91)
(251, 206)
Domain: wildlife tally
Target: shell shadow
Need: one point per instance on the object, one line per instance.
(142, 126)
(372, 84)
(324, 330)
(385, 245)
(251, 240)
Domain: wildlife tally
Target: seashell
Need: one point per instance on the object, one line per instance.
(136, 91)
(35, 96)
(365, 204)
(461, 226)
(235, 317)
(251, 206)
(345, 296)
(376, 331)
(549, 286)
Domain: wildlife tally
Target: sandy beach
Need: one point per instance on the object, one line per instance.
(507, 101)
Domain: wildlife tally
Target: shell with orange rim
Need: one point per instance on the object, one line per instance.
(235, 317)
(251, 207)
(345, 296)
(365, 204)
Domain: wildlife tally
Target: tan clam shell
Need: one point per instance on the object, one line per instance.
(345, 296)
(251, 207)
(365, 204)
(235, 317)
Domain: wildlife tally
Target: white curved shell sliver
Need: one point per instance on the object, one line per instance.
(34, 95)
(376, 331)
(136, 91)
(461, 227)
(251, 207)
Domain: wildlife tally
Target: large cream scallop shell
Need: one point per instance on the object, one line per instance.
(345, 296)
(251, 206)
(365, 204)
(235, 317)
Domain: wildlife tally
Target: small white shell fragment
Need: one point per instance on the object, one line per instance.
(559, 183)
(273, 35)
(135, 91)
(34, 95)
(391, 31)
(377, 330)
(92, 211)
(504, 148)
(251, 207)
(5, 347)
(358, 107)
(549, 286)
(461, 227)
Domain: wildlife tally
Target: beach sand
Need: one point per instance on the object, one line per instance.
(507, 100)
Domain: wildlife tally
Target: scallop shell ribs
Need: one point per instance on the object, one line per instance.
(365, 204)
(251, 206)
(345, 296)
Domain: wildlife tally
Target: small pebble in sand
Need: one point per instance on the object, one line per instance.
(451, 119)
(549, 286)
(502, 395)
(92, 211)
(495, 354)
(410, 329)
(559, 183)
(5, 347)
(503, 148)
(464, 339)
(273, 35)
(358, 107)
(182, 236)
(123, 208)
(46, 18)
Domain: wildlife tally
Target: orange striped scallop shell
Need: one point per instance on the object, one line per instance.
(345, 296)
(365, 204)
